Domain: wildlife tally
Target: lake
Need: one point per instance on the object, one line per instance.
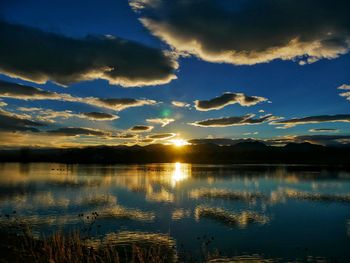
(265, 212)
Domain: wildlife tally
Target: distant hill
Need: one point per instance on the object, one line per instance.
(247, 152)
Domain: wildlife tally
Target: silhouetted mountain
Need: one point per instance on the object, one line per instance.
(305, 146)
(247, 152)
(252, 145)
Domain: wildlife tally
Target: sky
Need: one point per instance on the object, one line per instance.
(78, 73)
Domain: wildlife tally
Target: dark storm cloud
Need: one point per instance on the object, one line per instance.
(71, 131)
(313, 119)
(38, 56)
(141, 128)
(161, 136)
(13, 122)
(100, 116)
(227, 98)
(251, 31)
(247, 119)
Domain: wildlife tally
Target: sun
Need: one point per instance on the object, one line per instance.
(179, 142)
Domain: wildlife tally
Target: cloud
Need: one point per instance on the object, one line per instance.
(146, 141)
(24, 92)
(280, 140)
(161, 121)
(141, 128)
(247, 119)
(161, 136)
(3, 103)
(120, 103)
(71, 131)
(324, 139)
(180, 104)
(14, 139)
(124, 136)
(13, 122)
(313, 119)
(223, 31)
(99, 116)
(49, 115)
(344, 87)
(65, 60)
(227, 98)
(324, 130)
(347, 93)
(250, 133)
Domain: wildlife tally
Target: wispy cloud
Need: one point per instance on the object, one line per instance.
(49, 115)
(13, 122)
(99, 116)
(324, 139)
(3, 103)
(119, 104)
(347, 93)
(344, 87)
(324, 130)
(247, 119)
(73, 131)
(180, 104)
(161, 121)
(226, 99)
(141, 128)
(24, 92)
(161, 136)
(313, 119)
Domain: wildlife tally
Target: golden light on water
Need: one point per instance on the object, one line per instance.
(179, 173)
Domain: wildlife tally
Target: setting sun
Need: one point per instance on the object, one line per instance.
(179, 142)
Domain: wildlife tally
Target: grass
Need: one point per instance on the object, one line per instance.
(123, 247)
(19, 244)
(74, 248)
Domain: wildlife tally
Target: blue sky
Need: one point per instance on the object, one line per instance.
(292, 90)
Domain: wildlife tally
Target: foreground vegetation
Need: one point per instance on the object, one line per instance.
(61, 248)
(75, 248)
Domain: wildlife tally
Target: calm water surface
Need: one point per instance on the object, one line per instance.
(284, 213)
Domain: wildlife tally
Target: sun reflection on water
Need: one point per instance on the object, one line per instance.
(180, 173)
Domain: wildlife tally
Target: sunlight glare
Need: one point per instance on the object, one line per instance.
(179, 142)
(179, 174)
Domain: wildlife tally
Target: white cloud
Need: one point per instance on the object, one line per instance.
(161, 121)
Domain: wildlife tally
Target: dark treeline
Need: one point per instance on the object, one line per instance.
(241, 153)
